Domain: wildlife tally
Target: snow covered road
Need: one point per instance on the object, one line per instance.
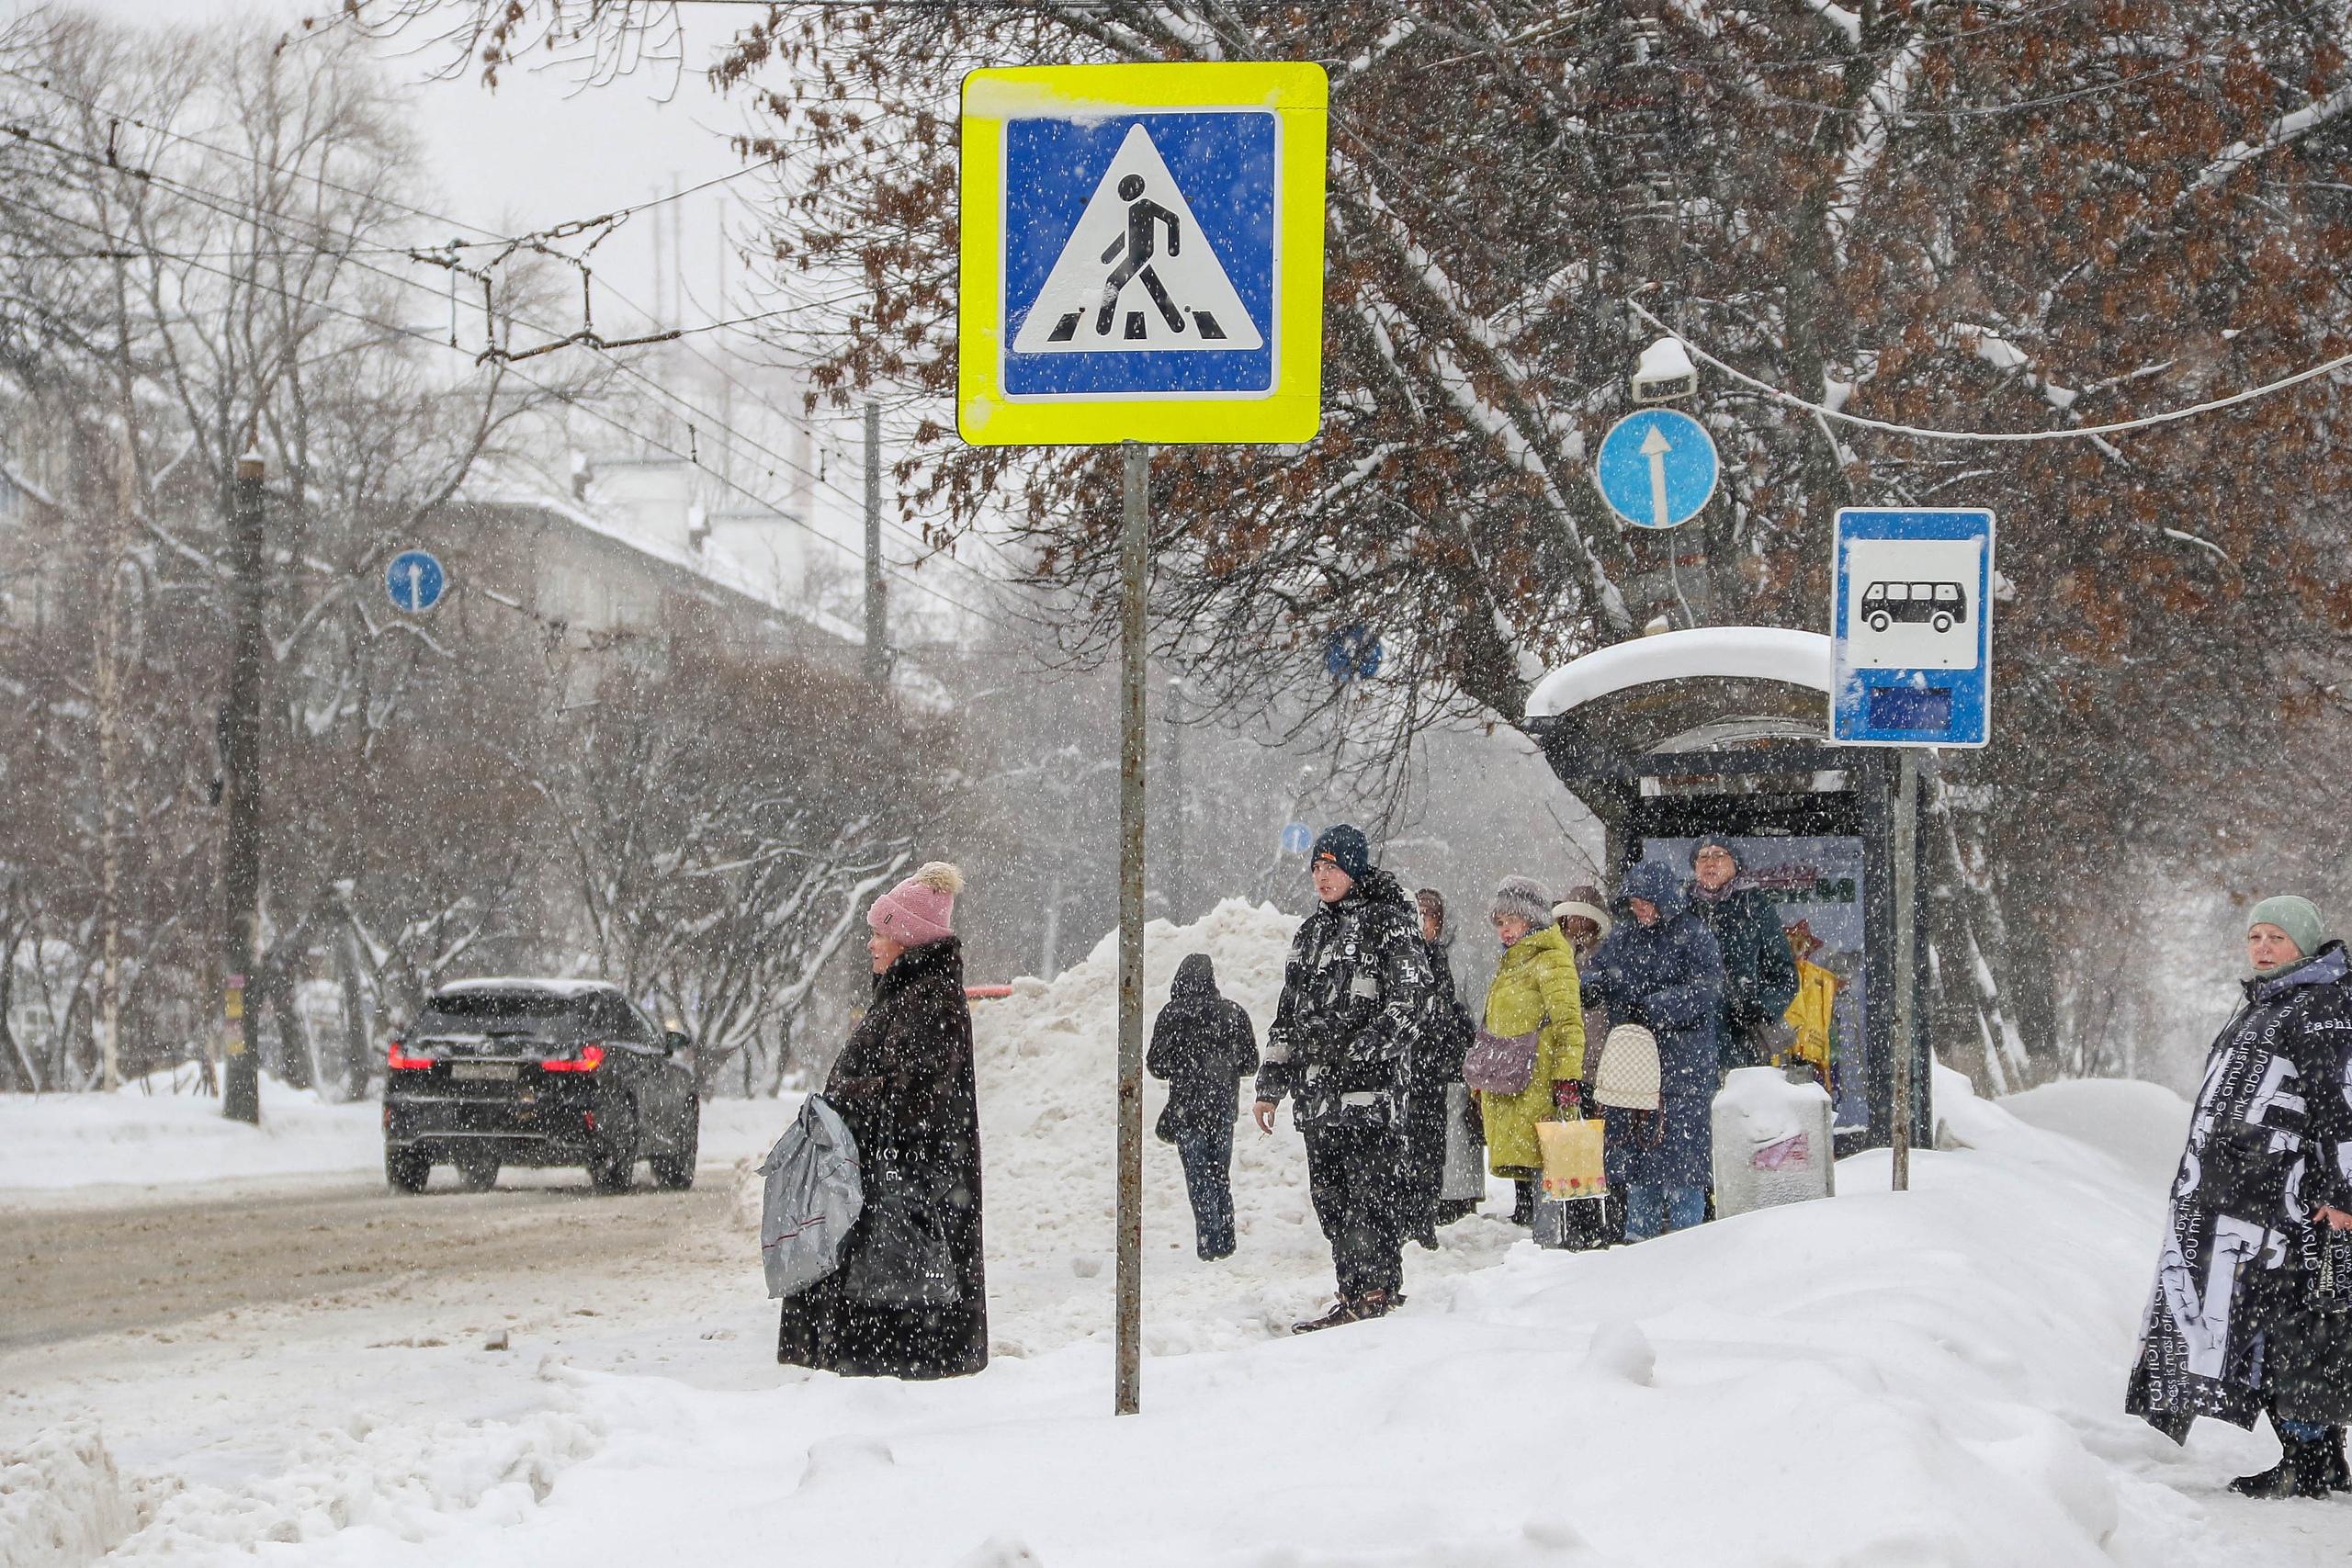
(84, 1267)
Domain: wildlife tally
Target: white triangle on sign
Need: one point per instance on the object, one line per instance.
(1098, 300)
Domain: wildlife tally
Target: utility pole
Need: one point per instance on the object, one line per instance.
(877, 626)
(109, 706)
(240, 783)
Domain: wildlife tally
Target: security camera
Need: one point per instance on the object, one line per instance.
(1664, 373)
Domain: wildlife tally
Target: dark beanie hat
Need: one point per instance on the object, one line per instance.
(1345, 847)
(1717, 841)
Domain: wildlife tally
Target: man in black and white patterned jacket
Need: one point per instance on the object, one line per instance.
(1355, 995)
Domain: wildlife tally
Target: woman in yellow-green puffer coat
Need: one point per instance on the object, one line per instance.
(1534, 987)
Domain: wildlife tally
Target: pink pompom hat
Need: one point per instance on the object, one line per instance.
(921, 910)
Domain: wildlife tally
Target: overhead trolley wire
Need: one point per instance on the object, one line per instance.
(245, 213)
(1924, 433)
(410, 333)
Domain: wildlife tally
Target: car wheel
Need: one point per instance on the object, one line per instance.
(1942, 622)
(476, 1175)
(1879, 621)
(407, 1169)
(612, 1167)
(674, 1169)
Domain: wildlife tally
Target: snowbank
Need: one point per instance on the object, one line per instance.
(152, 1134)
(149, 1135)
(2144, 1127)
(1047, 1060)
(61, 1501)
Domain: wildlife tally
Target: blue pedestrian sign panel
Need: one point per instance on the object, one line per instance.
(1912, 626)
(1656, 469)
(415, 581)
(1142, 253)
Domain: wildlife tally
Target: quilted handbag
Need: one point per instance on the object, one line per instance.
(1629, 1075)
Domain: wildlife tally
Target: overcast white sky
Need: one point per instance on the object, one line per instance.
(538, 151)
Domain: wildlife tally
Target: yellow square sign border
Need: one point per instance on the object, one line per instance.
(1299, 92)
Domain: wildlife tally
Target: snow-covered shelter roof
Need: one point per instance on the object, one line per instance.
(1723, 653)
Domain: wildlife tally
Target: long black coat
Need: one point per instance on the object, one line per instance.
(1202, 1045)
(2230, 1329)
(905, 1086)
(1445, 1037)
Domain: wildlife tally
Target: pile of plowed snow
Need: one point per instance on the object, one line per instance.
(1048, 1079)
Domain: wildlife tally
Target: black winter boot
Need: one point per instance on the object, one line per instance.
(1522, 1208)
(2301, 1471)
(2339, 1476)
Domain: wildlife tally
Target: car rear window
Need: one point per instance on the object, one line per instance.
(481, 1008)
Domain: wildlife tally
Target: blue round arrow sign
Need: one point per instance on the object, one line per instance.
(1656, 469)
(1353, 654)
(415, 581)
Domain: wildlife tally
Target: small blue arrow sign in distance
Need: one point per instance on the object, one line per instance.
(1656, 469)
(1353, 654)
(1297, 838)
(415, 581)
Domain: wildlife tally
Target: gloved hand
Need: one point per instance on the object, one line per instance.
(1566, 1093)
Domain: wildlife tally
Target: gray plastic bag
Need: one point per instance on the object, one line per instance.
(814, 1195)
(1464, 1180)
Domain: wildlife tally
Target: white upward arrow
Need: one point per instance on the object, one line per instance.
(1655, 446)
(416, 568)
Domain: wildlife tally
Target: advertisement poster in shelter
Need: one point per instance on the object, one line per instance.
(1815, 884)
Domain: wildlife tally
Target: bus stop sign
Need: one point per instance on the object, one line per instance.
(1912, 627)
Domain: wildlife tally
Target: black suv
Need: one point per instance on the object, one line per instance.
(538, 1073)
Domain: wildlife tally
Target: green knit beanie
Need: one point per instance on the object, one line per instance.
(2299, 918)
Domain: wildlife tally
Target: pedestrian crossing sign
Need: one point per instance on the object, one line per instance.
(1142, 254)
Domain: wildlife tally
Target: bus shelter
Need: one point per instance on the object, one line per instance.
(1725, 729)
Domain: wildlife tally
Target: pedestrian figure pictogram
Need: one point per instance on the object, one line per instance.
(1165, 286)
(1142, 214)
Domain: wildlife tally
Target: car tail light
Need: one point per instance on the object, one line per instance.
(396, 1057)
(591, 1057)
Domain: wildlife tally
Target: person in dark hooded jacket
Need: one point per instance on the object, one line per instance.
(2252, 1310)
(905, 1086)
(1203, 1046)
(1658, 967)
(1355, 997)
(1759, 967)
(1437, 1062)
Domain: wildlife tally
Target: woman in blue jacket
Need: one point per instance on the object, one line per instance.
(1659, 967)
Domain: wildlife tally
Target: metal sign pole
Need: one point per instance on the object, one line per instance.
(1134, 561)
(1906, 890)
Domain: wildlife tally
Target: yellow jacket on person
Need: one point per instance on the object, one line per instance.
(1812, 1013)
(1534, 987)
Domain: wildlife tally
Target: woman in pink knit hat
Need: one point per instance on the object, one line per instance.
(909, 1298)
